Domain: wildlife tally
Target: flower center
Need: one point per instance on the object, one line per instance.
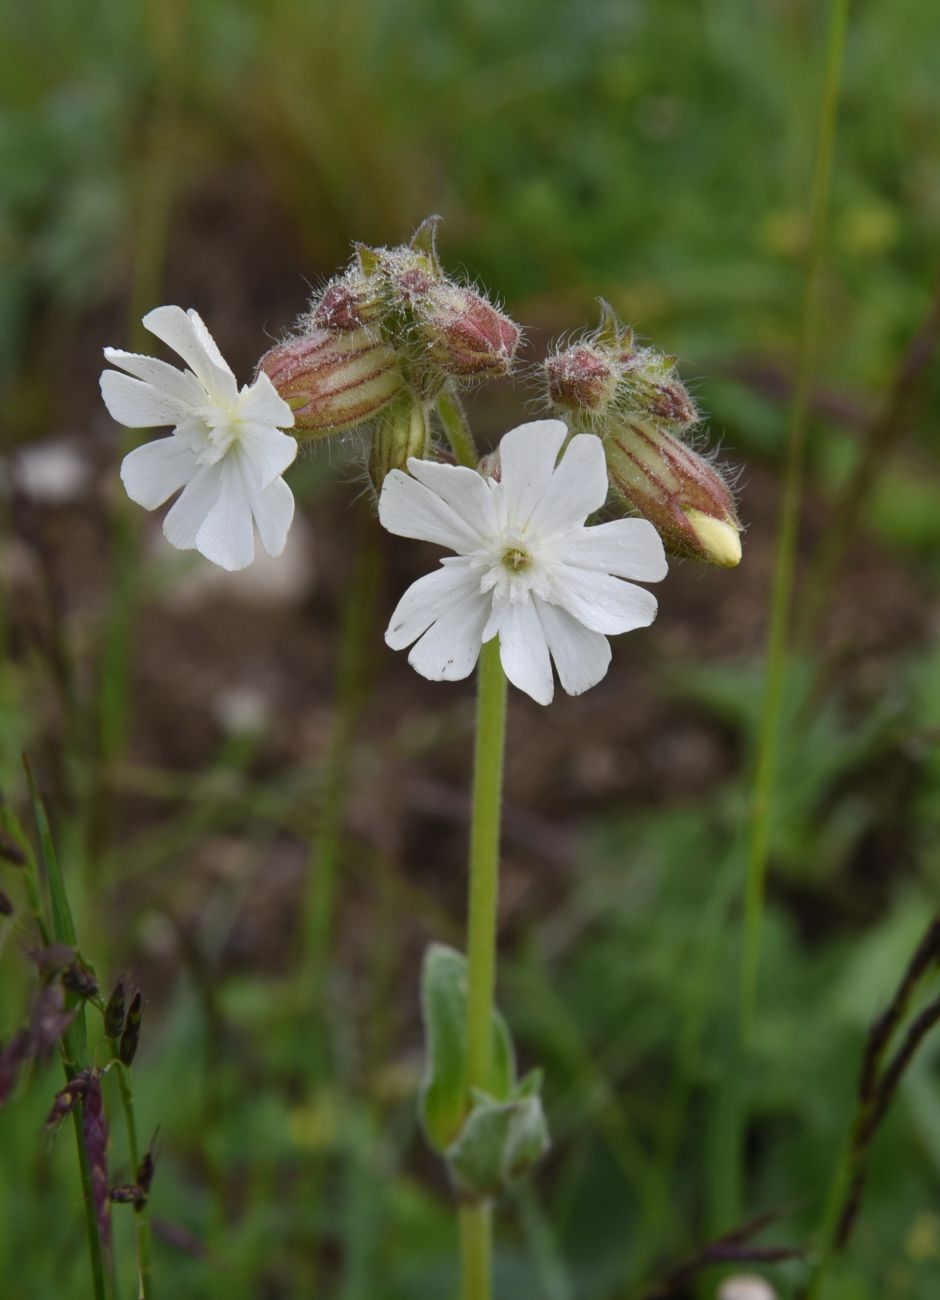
(516, 560)
(512, 570)
(223, 427)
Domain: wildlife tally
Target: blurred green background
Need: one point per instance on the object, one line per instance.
(224, 155)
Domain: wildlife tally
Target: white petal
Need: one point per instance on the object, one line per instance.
(227, 536)
(265, 453)
(578, 486)
(627, 548)
(523, 651)
(465, 491)
(449, 649)
(273, 511)
(427, 600)
(153, 472)
(409, 509)
(606, 604)
(186, 334)
(178, 385)
(189, 512)
(527, 458)
(139, 405)
(581, 656)
(261, 401)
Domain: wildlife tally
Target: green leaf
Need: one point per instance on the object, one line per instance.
(444, 1102)
(498, 1142)
(62, 924)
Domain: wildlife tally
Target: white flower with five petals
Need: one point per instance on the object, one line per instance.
(526, 568)
(226, 450)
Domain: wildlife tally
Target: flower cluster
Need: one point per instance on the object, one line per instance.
(386, 343)
(381, 342)
(633, 399)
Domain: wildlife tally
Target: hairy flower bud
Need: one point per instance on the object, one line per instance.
(438, 328)
(349, 302)
(674, 487)
(467, 336)
(580, 380)
(333, 380)
(635, 401)
(401, 431)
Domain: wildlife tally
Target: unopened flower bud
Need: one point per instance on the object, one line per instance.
(634, 400)
(608, 372)
(682, 495)
(400, 432)
(491, 466)
(332, 380)
(440, 329)
(349, 302)
(467, 336)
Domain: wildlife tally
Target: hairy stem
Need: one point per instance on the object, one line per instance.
(476, 1219)
(451, 415)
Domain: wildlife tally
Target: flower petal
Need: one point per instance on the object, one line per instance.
(429, 599)
(273, 511)
(265, 453)
(262, 402)
(527, 457)
(578, 486)
(153, 472)
(449, 649)
(139, 405)
(409, 509)
(188, 513)
(600, 602)
(523, 651)
(177, 385)
(627, 548)
(465, 491)
(227, 536)
(581, 656)
(186, 334)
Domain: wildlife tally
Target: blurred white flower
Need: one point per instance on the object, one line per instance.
(526, 568)
(226, 450)
(746, 1286)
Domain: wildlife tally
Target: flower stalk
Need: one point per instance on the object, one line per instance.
(476, 1217)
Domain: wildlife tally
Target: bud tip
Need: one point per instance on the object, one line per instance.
(720, 541)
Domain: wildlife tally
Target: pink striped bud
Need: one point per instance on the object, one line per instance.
(467, 336)
(333, 381)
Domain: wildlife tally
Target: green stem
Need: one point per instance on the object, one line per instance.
(476, 1219)
(841, 1180)
(476, 1248)
(142, 1213)
(785, 560)
(451, 415)
(484, 862)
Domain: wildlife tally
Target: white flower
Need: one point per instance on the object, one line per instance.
(527, 569)
(226, 450)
